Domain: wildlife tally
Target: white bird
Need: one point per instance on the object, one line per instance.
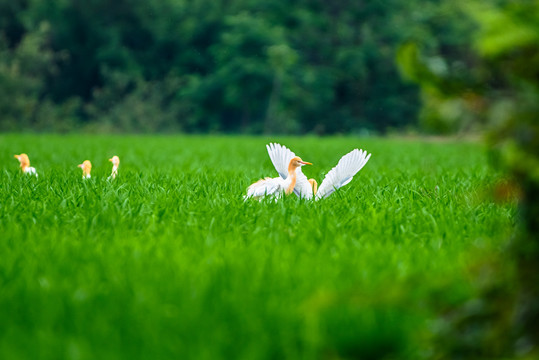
(337, 177)
(86, 167)
(289, 169)
(25, 164)
(115, 164)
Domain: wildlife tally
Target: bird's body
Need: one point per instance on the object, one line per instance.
(270, 186)
(337, 177)
(86, 167)
(25, 164)
(115, 165)
(30, 171)
(282, 185)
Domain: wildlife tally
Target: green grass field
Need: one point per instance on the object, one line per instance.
(169, 262)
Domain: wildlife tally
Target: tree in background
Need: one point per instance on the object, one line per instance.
(203, 65)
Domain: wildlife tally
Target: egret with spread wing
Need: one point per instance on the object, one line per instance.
(339, 176)
(288, 165)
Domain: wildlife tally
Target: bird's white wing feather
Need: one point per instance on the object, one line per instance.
(343, 173)
(280, 157)
(265, 187)
(303, 188)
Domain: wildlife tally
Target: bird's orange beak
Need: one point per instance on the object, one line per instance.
(305, 163)
(16, 156)
(110, 159)
(80, 165)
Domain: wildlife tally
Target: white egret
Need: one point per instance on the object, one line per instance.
(115, 164)
(289, 168)
(86, 167)
(339, 176)
(25, 164)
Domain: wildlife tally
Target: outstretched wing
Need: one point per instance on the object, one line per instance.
(343, 173)
(265, 187)
(280, 157)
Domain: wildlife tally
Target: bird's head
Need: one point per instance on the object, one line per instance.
(295, 163)
(23, 159)
(115, 160)
(86, 167)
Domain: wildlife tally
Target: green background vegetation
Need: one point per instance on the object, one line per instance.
(168, 261)
(248, 66)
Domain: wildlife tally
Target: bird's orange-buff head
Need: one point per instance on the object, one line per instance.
(295, 163)
(115, 160)
(24, 160)
(86, 167)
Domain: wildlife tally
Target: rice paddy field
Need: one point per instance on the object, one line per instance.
(168, 262)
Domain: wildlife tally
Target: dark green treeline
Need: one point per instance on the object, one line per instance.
(252, 66)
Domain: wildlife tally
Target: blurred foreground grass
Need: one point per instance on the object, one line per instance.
(169, 262)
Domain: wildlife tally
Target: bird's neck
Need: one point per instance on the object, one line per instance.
(25, 164)
(293, 178)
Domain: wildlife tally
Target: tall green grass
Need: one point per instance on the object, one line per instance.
(168, 261)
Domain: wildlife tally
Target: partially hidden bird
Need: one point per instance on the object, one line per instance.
(86, 167)
(25, 164)
(289, 168)
(339, 176)
(115, 164)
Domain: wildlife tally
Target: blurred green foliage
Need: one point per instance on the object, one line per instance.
(204, 65)
(500, 91)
